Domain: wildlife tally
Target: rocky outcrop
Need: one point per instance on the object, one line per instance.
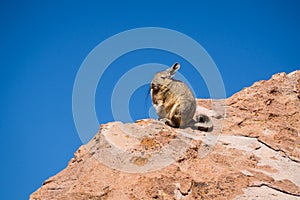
(253, 152)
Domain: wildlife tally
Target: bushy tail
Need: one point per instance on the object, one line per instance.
(203, 123)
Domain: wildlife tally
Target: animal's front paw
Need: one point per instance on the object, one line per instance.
(167, 122)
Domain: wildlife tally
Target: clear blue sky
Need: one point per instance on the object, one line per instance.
(44, 44)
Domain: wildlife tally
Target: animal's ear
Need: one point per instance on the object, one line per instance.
(174, 69)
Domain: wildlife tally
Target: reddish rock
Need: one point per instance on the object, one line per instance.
(253, 152)
(270, 111)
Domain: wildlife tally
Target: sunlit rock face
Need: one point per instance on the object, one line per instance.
(253, 152)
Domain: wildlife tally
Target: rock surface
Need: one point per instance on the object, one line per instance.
(252, 153)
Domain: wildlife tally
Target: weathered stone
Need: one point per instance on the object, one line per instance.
(257, 156)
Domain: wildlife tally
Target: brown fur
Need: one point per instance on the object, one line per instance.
(173, 100)
(175, 103)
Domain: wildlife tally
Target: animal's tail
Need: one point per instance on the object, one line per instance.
(203, 123)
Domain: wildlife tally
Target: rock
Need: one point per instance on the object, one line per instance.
(270, 111)
(253, 152)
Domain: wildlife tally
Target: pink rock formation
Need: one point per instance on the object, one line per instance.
(256, 156)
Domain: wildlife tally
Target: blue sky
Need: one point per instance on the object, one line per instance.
(43, 45)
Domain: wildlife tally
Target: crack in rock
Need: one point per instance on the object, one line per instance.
(278, 150)
(275, 188)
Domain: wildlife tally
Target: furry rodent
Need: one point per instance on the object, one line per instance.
(175, 103)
